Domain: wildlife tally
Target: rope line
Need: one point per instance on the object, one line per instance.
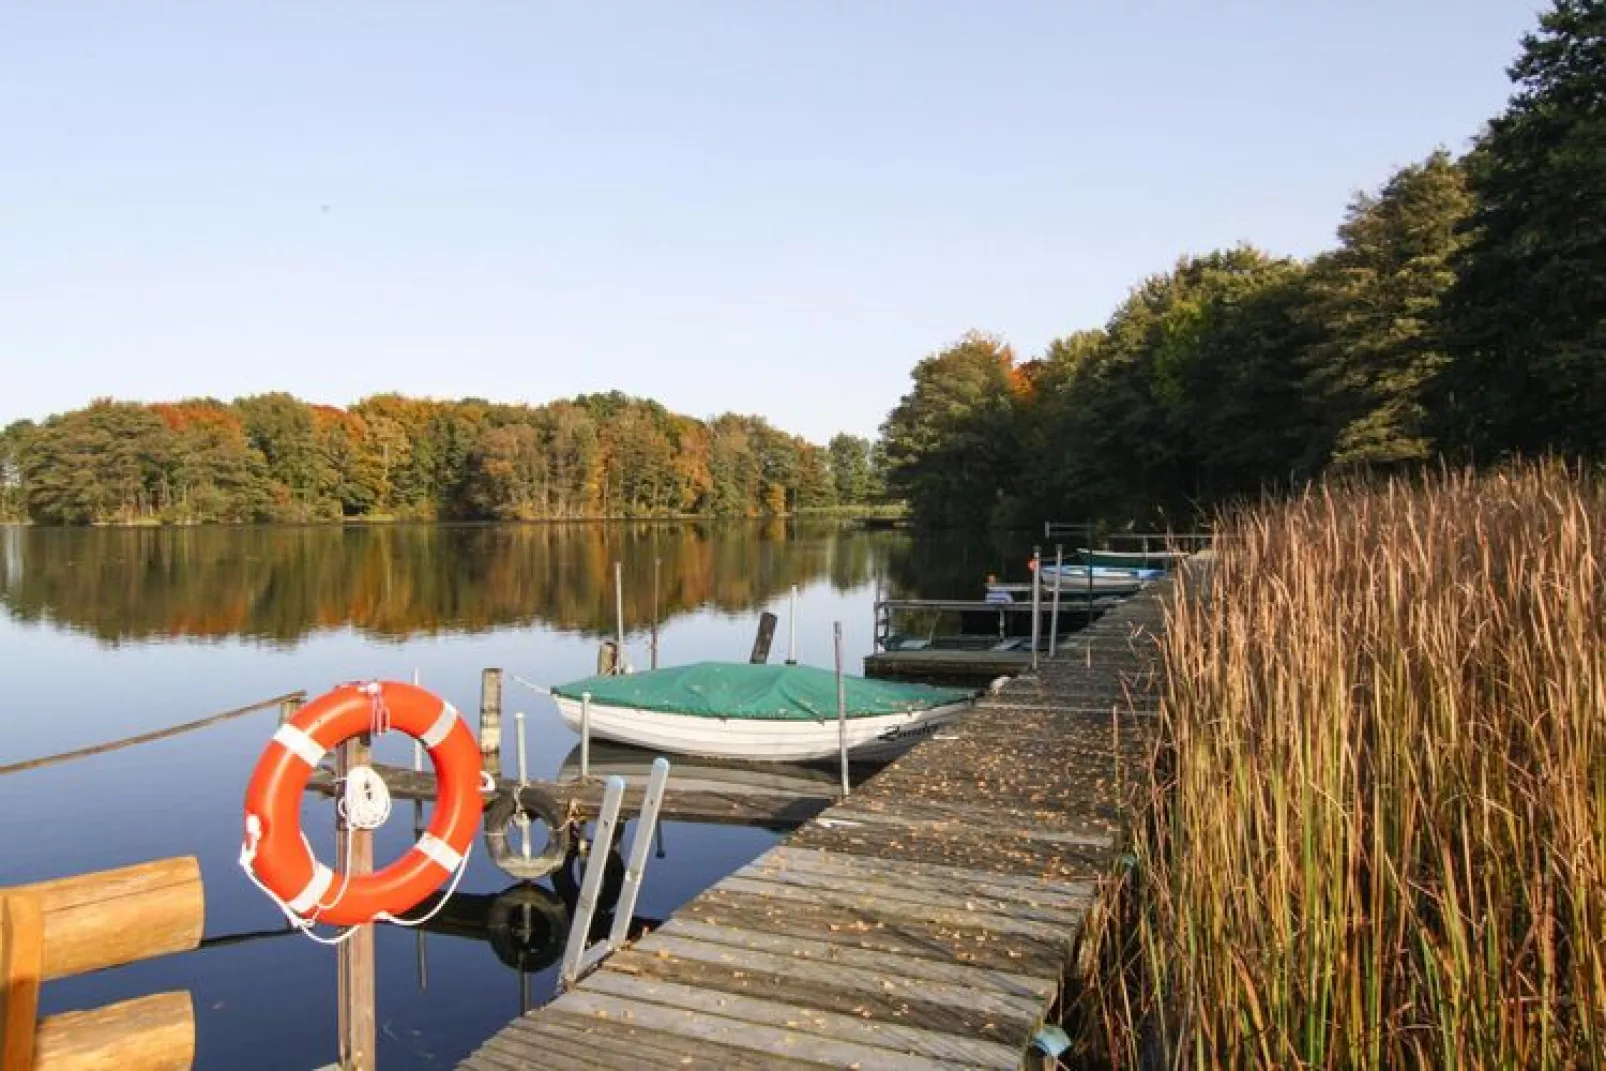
(538, 688)
(150, 737)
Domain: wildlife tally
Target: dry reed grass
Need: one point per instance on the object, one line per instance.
(1376, 830)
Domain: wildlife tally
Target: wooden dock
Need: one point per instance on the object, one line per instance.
(775, 809)
(946, 664)
(927, 921)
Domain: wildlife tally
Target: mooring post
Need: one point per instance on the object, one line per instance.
(619, 607)
(1037, 601)
(288, 708)
(22, 957)
(355, 957)
(656, 562)
(491, 721)
(518, 731)
(519, 816)
(791, 630)
(1054, 615)
(762, 641)
(841, 707)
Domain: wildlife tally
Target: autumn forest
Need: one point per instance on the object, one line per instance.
(275, 458)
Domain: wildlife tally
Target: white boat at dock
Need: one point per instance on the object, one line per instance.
(771, 713)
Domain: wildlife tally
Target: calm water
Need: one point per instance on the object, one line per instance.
(107, 633)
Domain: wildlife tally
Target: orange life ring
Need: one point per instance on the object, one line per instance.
(280, 858)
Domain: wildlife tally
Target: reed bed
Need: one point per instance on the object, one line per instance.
(1375, 831)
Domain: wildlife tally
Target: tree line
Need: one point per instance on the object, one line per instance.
(273, 457)
(1461, 317)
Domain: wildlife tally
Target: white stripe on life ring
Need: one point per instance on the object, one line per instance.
(445, 722)
(322, 878)
(299, 744)
(440, 853)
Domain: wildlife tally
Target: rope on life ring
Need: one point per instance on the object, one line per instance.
(533, 801)
(275, 854)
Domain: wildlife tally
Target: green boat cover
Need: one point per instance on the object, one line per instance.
(760, 692)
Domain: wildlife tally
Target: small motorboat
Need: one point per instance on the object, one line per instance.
(771, 713)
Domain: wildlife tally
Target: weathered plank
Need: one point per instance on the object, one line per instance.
(893, 1003)
(628, 1046)
(713, 1026)
(961, 849)
(945, 823)
(850, 900)
(897, 894)
(869, 929)
(887, 1037)
(518, 1050)
(957, 996)
(1029, 891)
(889, 963)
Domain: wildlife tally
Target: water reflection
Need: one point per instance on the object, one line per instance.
(278, 584)
(526, 925)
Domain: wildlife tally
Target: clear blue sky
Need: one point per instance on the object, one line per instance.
(767, 207)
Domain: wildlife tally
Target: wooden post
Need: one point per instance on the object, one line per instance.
(491, 721)
(154, 1033)
(22, 955)
(113, 917)
(355, 958)
(1037, 601)
(762, 641)
(841, 708)
(1054, 614)
(288, 708)
(619, 607)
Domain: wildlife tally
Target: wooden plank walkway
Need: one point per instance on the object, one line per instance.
(927, 921)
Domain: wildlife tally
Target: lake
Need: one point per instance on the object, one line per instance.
(110, 632)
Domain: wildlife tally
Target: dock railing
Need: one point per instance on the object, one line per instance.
(69, 926)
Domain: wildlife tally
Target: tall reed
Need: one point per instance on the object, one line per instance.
(1375, 833)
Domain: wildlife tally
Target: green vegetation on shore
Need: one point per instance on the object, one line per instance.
(1375, 825)
(1463, 314)
(274, 458)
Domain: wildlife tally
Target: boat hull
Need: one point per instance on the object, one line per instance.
(767, 740)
